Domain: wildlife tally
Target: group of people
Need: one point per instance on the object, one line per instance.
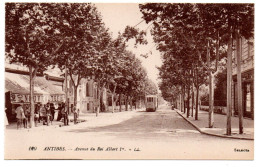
(43, 112)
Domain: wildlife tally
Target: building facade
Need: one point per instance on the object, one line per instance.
(247, 75)
(87, 95)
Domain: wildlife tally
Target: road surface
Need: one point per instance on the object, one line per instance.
(128, 135)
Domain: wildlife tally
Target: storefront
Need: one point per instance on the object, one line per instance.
(17, 92)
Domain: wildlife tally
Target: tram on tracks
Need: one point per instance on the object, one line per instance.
(151, 103)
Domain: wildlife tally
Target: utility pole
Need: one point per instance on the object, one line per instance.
(229, 84)
(239, 82)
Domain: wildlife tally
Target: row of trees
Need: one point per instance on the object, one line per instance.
(73, 37)
(193, 39)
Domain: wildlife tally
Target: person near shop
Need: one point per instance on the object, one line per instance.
(19, 115)
(6, 120)
(37, 114)
(27, 116)
(59, 112)
(43, 114)
(52, 109)
(48, 113)
(38, 108)
(66, 116)
(63, 113)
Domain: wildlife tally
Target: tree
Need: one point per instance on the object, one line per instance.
(30, 39)
(195, 26)
(231, 20)
(87, 38)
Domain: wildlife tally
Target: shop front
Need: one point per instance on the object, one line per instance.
(17, 92)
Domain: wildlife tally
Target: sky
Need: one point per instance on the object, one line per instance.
(116, 17)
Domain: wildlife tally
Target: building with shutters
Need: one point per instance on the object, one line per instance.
(87, 95)
(247, 75)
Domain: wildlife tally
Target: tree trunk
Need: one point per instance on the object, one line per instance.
(75, 97)
(229, 85)
(126, 103)
(113, 101)
(211, 91)
(197, 103)
(192, 96)
(183, 98)
(32, 77)
(239, 83)
(99, 94)
(131, 103)
(113, 105)
(192, 100)
(188, 101)
(66, 87)
(103, 104)
(120, 102)
(180, 103)
(211, 101)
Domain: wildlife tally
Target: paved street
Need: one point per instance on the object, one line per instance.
(161, 135)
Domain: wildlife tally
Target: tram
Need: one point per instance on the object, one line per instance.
(151, 103)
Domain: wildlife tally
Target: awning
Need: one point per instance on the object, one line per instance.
(18, 83)
(48, 86)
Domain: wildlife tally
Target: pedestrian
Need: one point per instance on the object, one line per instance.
(27, 116)
(48, 113)
(43, 114)
(19, 115)
(75, 115)
(78, 113)
(63, 114)
(6, 120)
(66, 116)
(52, 109)
(37, 114)
(59, 112)
(39, 106)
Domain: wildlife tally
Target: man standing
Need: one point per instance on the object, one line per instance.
(27, 115)
(19, 115)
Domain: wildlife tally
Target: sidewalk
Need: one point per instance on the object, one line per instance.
(219, 128)
(90, 119)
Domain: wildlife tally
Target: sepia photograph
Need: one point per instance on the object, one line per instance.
(112, 81)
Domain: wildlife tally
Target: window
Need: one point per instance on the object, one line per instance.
(149, 99)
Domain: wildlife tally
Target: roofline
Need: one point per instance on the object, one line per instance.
(20, 72)
(48, 77)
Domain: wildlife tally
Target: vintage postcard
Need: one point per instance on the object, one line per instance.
(129, 81)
